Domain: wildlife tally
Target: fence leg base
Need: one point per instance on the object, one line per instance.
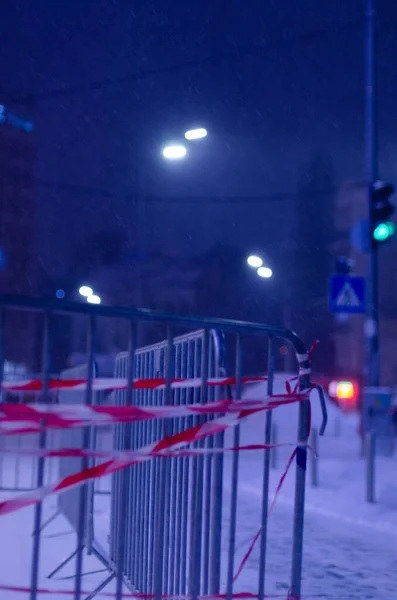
(101, 586)
(63, 564)
(49, 520)
(68, 577)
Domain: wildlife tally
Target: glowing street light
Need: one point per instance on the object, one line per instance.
(94, 299)
(196, 134)
(255, 261)
(265, 272)
(174, 152)
(86, 291)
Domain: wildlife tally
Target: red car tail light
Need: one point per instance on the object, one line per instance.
(345, 393)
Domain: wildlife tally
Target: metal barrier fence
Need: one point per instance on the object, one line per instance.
(167, 534)
(191, 501)
(19, 473)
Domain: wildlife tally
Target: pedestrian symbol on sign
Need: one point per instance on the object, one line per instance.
(347, 294)
(347, 297)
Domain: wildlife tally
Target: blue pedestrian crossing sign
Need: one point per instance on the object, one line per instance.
(347, 294)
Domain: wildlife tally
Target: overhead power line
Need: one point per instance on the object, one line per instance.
(230, 55)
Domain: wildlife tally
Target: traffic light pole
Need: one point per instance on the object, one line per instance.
(372, 322)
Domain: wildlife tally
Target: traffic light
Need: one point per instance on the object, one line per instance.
(382, 227)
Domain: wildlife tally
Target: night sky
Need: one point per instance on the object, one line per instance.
(274, 82)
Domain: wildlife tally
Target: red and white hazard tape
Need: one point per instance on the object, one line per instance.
(78, 415)
(111, 383)
(259, 533)
(138, 454)
(173, 442)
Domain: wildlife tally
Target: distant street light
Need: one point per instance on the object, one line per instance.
(174, 152)
(94, 299)
(85, 291)
(255, 261)
(196, 134)
(265, 272)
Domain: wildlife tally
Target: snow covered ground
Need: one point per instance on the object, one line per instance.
(350, 546)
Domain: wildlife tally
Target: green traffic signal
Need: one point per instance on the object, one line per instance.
(383, 231)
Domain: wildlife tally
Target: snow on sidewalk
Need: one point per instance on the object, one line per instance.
(349, 545)
(57, 543)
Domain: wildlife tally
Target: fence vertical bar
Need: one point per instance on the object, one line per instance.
(370, 442)
(146, 496)
(155, 434)
(234, 487)
(313, 457)
(125, 473)
(139, 492)
(266, 473)
(208, 465)
(194, 372)
(187, 421)
(175, 573)
(217, 490)
(135, 478)
(81, 529)
(273, 452)
(46, 367)
(300, 478)
(161, 521)
(196, 547)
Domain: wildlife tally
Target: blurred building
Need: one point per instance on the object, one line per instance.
(18, 268)
(350, 343)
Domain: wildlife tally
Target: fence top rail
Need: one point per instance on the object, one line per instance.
(50, 305)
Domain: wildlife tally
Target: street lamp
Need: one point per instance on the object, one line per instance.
(86, 291)
(265, 272)
(196, 134)
(94, 299)
(174, 151)
(256, 262)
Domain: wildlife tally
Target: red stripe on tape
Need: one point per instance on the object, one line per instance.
(111, 383)
(78, 415)
(174, 442)
(132, 454)
(258, 534)
(112, 466)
